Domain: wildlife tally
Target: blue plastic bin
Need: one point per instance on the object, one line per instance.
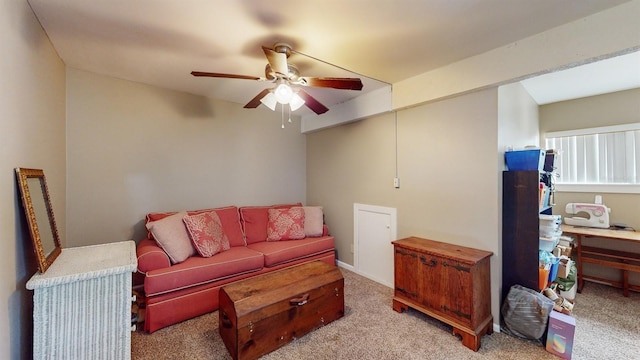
(525, 159)
(553, 273)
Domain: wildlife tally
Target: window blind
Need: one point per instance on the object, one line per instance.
(609, 155)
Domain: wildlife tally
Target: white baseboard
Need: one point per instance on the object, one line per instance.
(345, 265)
(351, 268)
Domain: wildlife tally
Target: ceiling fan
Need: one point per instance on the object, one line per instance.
(289, 83)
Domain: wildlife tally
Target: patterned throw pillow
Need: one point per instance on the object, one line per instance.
(254, 221)
(205, 230)
(172, 237)
(285, 224)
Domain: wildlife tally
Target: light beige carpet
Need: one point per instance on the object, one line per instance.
(608, 327)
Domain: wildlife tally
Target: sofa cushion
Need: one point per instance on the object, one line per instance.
(278, 252)
(206, 233)
(171, 235)
(313, 221)
(254, 221)
(285, 224)
(229, 218)
(197, 270)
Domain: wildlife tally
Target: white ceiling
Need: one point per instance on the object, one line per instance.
(159, 42)
(601, 77)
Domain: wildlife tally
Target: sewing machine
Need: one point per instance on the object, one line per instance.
(598, 215)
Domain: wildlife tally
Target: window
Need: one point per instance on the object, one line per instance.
(597, 156)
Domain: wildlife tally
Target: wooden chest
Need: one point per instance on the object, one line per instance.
(448, 282)
(260, 314)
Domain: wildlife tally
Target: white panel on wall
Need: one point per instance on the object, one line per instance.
(374, 229)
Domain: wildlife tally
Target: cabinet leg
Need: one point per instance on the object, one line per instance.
(489, 329)
(472, 341)
(399, 307)
(469, 340)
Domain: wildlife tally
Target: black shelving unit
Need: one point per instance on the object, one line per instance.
(520, 229)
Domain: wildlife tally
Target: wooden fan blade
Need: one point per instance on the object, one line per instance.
(312, 103)
(219, 75)
(255, 102)
(278, 61)
(335, 83)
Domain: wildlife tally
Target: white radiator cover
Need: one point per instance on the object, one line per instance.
(82, 304)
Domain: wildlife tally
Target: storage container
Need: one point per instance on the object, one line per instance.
(550, 220)
(543, 278)
(550, 232)
(531, 159)
(548, 244)
(553, 271)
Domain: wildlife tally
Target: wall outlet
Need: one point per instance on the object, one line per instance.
(396, 183)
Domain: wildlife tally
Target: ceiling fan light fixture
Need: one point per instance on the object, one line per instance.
(296, 102)
(283, 75)
(269, 101)
(283, 93)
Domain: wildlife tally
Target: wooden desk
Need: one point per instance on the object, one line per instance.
(623, 260)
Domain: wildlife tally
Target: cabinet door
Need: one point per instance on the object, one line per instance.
(406, 275)
(431, 281)
(457, 290)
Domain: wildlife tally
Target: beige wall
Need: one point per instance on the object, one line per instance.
(32, 135)
(518, 119)
(446, 164)
(610, 109)
(617, 108)
(134, 149)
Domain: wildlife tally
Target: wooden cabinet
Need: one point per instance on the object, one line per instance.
(520, 229)
(447, 282)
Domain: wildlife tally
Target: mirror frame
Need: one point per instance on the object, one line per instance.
(44, 260)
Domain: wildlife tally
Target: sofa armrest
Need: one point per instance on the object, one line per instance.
(325, 230)
(151, 256)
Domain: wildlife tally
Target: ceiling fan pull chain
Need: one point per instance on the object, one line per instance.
(289, 114)
(282, 117)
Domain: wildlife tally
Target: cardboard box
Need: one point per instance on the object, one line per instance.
(560, 335)
(566, 241)
(561, 250)
(564, 267)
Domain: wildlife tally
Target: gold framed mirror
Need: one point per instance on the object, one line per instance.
(39, 212)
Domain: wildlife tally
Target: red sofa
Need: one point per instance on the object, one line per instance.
(179, 291)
